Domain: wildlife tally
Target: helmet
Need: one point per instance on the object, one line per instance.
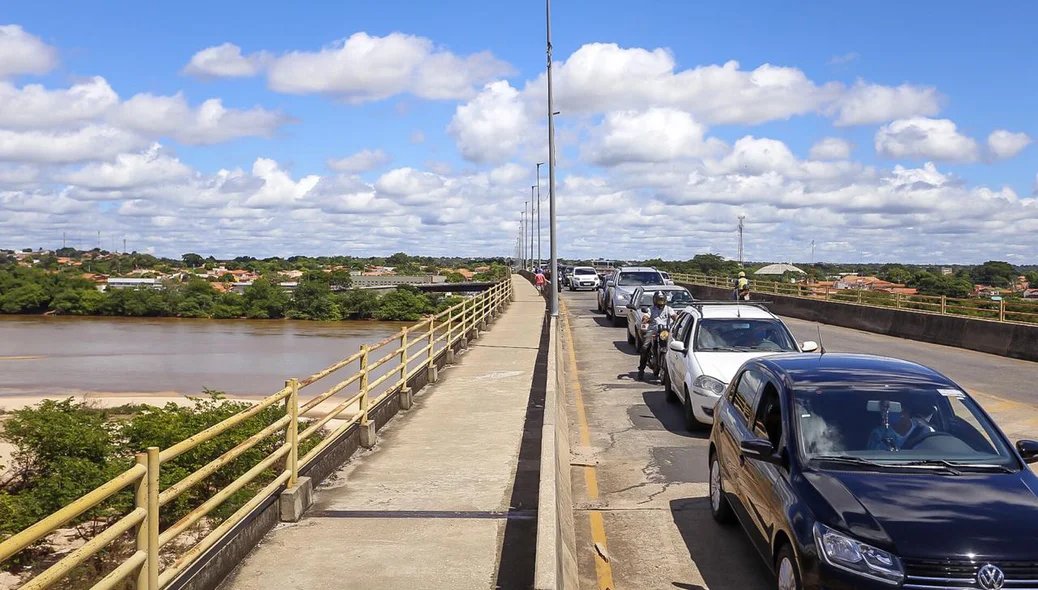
(742, 275)
(659, 298)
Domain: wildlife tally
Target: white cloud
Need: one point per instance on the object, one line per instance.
(417, 136)
(1006, 144)
(210, 123)
(601, 77)
(655, 135)
(492, 126)
(226, 61)
(365, 68)
(865, 104)
(93, 142)
(843, 59)
(361, 161)
(831, 148)
(35, 107)
(406, 182)
(150, 167)
(509, 174)
(24, 53)
(919, 137)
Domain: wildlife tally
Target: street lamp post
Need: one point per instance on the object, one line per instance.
(537, 223)
(551, 175)
(539, 255)
(522, 228)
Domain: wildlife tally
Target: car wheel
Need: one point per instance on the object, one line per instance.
(668, 388)
(720, 509)
(690, 417)
(786, 570)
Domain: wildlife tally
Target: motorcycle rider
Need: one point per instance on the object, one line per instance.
(742, 286)
(660, 314)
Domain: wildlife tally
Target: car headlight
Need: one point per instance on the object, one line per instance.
(621, 297)
(708, 385)
(849, 554)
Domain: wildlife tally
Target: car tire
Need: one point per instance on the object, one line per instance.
(668, 388)
(720, 509)
(691, 423)
(787, 570)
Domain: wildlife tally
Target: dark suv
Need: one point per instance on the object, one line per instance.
(853, 471)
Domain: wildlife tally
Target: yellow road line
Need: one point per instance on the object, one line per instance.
(603, 570)
(22, 358)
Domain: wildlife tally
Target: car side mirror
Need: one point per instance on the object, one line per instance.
(759, 449)
(1028, 450)
(677, 346)
(809, 346)
(632, 306)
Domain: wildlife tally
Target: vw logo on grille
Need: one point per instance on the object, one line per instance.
(990, 577)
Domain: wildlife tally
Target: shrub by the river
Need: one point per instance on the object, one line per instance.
(64, 449)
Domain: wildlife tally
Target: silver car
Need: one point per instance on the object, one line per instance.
(638, 308)
(625, 281)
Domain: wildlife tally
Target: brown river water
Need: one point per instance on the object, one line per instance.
(57, 356)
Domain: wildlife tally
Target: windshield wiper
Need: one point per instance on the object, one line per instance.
(718, 349)
(956, 466)
(848, 460)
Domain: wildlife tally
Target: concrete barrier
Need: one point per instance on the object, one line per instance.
(1005, 339)
(556, 553)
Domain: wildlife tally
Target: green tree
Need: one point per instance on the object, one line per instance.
(340, 280)
(25, 298)
(312, 300)
(263, 299)
(357, 303)
(402, 304)
(895, 273)
(995, 273)
(78, 302)
(193, 260)
(455, 277)
(398, 259)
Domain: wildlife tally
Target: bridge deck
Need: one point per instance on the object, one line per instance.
(447, 486)
(651, 473)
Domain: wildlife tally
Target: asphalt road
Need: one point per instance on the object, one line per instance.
(651, 473)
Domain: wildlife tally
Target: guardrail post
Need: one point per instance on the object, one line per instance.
(827, 293)
(1002, 310)
(406, 395)
(859, 296)
(450, 336)
(432, 372)
(147, 497)
(292, 434)
(944, 304)
(367, 428)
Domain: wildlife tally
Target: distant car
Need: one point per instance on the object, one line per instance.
(855, 471)
(583, 277)
(625, 281)
(666, 278)
(709, 342)
(638, 308)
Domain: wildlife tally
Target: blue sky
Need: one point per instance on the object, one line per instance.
(953, 74)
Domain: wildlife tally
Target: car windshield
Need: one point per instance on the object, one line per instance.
(675, 298)
(882, 424)
(584, 271)
(743, 335)
(634, 279)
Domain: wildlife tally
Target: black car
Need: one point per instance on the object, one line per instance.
(854, 471)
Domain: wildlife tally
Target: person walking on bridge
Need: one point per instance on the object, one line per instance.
(539, 280)
(742, 287)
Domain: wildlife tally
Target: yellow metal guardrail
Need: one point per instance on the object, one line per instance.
(434, 334)
(1001, 311)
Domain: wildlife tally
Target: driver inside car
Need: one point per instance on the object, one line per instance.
(913, 424)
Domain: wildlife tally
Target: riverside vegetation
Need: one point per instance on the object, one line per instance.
(64, 449)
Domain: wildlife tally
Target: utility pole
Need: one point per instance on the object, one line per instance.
(63, 240)
(812, 252)
(551, 176)
(741, 218)
(522, 228)
(537, 224)
(539, 255)
(533, 263)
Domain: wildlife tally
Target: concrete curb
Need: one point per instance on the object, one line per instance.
(1018, 341)
(556, 563)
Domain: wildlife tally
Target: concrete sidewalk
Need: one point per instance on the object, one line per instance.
(429, 506)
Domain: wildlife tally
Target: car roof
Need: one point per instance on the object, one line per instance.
(637, 269)
(733, 311)
(655, 288)
(843, 369)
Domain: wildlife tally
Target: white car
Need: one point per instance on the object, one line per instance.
(583, 277)
(709, 342)
(641, 301)
(623, 284)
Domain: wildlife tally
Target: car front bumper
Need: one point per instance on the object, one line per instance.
(703, 406)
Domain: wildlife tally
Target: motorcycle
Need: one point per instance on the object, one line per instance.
(658, 348)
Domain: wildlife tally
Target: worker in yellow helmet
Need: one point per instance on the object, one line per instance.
(742, 287)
